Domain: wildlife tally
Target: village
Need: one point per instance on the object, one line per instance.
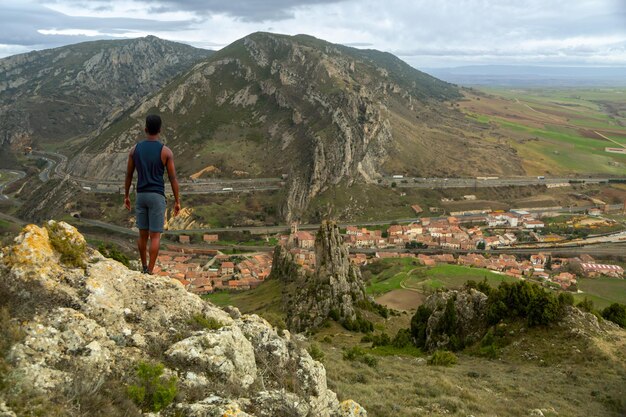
(464, 240)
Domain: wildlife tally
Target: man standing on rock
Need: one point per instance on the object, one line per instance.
(150, 158)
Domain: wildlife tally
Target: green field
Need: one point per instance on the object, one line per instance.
(388, 274)
(553, 130)
(453, 276)
(392, 274)
(602, 291)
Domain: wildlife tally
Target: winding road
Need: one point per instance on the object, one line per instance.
(18, 176)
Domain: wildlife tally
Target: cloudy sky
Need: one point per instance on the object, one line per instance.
(425, 33)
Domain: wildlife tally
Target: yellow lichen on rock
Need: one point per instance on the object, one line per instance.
(350, 408)
(32, 252)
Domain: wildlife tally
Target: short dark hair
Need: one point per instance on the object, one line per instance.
(153, 124)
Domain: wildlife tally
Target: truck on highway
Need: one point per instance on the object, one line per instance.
(397, 177)
(541, 177)
(227, 189)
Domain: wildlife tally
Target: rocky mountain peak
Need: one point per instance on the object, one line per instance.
(88, 321)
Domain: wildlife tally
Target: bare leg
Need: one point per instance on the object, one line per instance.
(155, 242)
(142, 244)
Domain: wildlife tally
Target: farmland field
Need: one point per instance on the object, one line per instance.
(602, 291)
(453, 276)
(556, 131)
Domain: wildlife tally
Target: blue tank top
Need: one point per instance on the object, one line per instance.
(150, 168)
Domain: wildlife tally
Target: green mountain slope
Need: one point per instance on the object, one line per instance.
(325, 114)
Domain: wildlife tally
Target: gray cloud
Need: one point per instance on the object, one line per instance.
(20, 23)
(247, 10)
(424, 32)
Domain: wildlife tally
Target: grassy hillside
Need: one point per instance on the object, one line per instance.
(555, 131)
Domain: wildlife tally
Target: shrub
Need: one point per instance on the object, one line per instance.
(382, 339)
(615, 313)
(419, 321)
(200, 322)
(359, 324)
(327, 339)
(151, 391)
(358, 354)
(316, 352)
(443, 358)
(482, 286)
(586, 305)
(112, 252)
(524, 300)
(402, 339)
(566, 298)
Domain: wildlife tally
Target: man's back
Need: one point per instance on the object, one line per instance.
(147, 157)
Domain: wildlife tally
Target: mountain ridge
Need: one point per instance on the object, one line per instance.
(322, 113)
(57, 94)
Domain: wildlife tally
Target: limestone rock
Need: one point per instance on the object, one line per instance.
(225, 353)
(470, 308)
(279, 404)
(350, 408)
(213, 406)
(335, 287)
(111, 319)
(5, 411)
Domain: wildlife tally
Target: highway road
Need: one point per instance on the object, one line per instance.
(57, 162)
(411, 182)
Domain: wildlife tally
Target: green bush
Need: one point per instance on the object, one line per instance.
(200, 322)
(524, 300)
(615, 313)
(586, 305)
(316, 352)
(402, 339)
(151, 391)
(443, 358)
(112, 252)
(359, 324)
(566, 298)
(382, 339)
(358, 354)
(419, 322)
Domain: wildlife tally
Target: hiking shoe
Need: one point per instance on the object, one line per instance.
(145, 269)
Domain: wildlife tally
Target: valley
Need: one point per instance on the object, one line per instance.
(379, 214)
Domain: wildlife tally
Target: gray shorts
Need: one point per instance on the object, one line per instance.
(150, 211)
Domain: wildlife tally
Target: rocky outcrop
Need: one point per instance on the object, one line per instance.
(333, 290)
(101, 320)
(458, 318)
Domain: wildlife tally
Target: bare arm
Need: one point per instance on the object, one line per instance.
(130, 170)
(171, 173)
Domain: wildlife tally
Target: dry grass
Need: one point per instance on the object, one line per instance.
(540, 368)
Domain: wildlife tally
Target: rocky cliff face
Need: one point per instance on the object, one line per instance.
(90, 324)
(333, 290)
(58, 94)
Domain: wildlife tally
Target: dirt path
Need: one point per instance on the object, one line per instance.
(609, 139)
(549, 116)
